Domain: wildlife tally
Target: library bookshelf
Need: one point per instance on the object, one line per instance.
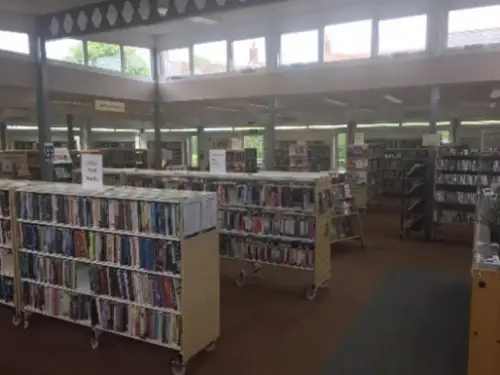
(274, 225)
(121, 260)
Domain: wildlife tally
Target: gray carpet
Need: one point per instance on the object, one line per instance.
(417, 324)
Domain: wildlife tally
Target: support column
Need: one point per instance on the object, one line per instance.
(429, 177)
(71, 132)
(155, 69)
(86, 135)
(204, 146)
(42, 105)
(351, 130)
(3, 135)
(273, 43)
(321, 44)
(455, 130)
(437, 28)
(270, 137)
(191, 61)
(375, 37)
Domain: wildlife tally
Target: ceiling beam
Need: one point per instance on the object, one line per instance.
(111, 15)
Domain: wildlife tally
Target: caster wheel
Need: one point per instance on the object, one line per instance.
(94, 343)
(16, 320)
(210, 348)
(26, 324)
(178, 368)
(310, 292)
(240, 280)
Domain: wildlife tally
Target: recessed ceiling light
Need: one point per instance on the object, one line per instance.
(336, 102)
(495, 94)
(204, 20)
(392, 99)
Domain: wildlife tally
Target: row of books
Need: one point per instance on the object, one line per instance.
(57, 302)
(282, 254)
(48, 270)
(127, 215)
(4, 203)
(153, 290)
(5, 233)
(139, 322)
(122, 249)
(135, 321)
(268, 224)
(6, 289)
(267, 195)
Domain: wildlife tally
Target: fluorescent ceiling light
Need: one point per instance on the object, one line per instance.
(164, 130)
(481, 122)
(327, 126)
(21, 127)
(248, 128)
(379, 125)
(392, 99)
(259, 105)
(495, 94)
(102, 130)
(290, 127)
(336, 102)
(126, 131)
(204, 20)
(222, 109)
(184, 130)
(221, 129)
(422, 124)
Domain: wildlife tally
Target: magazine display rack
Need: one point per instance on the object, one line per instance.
(274, 225)
(123, 260)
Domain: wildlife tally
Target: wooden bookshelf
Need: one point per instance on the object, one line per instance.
(243, 250)
(165, 237)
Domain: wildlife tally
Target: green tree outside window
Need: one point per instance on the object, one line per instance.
(105, 55)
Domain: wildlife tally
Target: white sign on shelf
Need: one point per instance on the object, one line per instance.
(359, 139)
(217, 161)
(61, 156)
(431, 140)
(92, 172)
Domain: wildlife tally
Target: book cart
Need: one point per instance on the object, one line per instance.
(484, 329)
(274, 225)
(123, 260)
(345, 222)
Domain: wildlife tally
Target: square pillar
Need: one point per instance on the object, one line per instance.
(270, 137)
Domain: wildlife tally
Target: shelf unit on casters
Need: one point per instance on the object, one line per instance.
(9, 278)
(274, 225)
(345, 222)
(114, 261)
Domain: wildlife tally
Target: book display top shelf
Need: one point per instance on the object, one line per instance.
(122, 260)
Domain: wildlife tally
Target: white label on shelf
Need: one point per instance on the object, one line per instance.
(236, 144)
(92, 173)
(429, 140)
(217, 161)
(359, 139)
(61, 156)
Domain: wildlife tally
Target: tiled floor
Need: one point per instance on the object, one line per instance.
(263, 331)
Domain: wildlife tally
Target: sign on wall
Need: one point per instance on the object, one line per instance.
(108, 106)
(217, 161)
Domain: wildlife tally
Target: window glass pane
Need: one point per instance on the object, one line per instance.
(467, 27)
(255, 141)
(249, 53)
(348, 41)
(14, 42)
(342, 150)
(299, 48)
(69, 50)
(137, 61)
(408, 34)
(194, 150)
(210, 57)
(176, 62)
(104, 56)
